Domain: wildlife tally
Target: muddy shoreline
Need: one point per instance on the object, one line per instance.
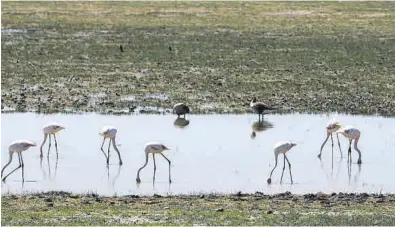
(59, 207)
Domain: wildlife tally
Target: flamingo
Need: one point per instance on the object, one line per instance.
(50, 129)
(282, 147)
(18, 146)
(332, 127)
(352, 133)
(259, 107)
(180, 109)
(154, 148)
(109, 132)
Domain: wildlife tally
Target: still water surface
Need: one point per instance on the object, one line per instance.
(209, 153)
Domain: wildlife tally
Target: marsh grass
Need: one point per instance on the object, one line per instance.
(305, 57)
(204, 209)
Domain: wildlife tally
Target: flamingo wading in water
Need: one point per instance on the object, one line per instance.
(18, 147)
(50, 129)
(259, 108)
(153, 148)
(180, 109)
(332, 127)
(352, 133)
(282, 148)
(109, 132)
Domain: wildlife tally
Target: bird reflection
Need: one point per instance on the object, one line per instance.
(116, 176)
(332, 167)
(356, 176)
(260, 126)
(49, 167)
(181, 122)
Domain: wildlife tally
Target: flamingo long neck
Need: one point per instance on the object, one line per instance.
(323, 144)
(45, 139)
(116, 149)
(356, 148)
(146, 162)
(10, 160)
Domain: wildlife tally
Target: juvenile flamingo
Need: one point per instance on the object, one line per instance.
(154, 148)
(352, 133)
(18, 147)
(282, 148)
(50, 129)
(259, 108)
(109, 132)
(180, 109)
(332, 127)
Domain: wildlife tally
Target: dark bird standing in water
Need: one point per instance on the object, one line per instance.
(180, 109)
(259, 107)
(121, 48)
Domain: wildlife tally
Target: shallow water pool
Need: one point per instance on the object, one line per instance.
(209, 154)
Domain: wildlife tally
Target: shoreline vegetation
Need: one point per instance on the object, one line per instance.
(64, 208)
(313, 57)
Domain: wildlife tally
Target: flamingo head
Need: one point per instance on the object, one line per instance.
(165, 148)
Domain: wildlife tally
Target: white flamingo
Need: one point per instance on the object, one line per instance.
(153, 148)
(282, 148)
(352, 133)
(180, 109)
(18, 147)
(332, 127)
(50, 129)
(109, 132)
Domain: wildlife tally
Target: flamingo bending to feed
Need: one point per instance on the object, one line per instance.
(282, 148)
(259, 108)
(50, 129)
(18, 147)
(153, 148)
(109, 132)
(352, 133)
(332, 127)
(180, 109)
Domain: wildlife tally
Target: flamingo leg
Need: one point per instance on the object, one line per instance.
(56, 144)
(338, 142)
(23, 167)
(20, 165)
(169, 166)
(282, 174)
(108, 152)
(104, 139)
(49, 147)
(289, 165)
(332, 144)
(349, 151)
(323, 144)
(153, 158)
(116, 149)
(270, 177)
(41, 148)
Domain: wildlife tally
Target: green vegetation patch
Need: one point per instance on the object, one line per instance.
(304, 56)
